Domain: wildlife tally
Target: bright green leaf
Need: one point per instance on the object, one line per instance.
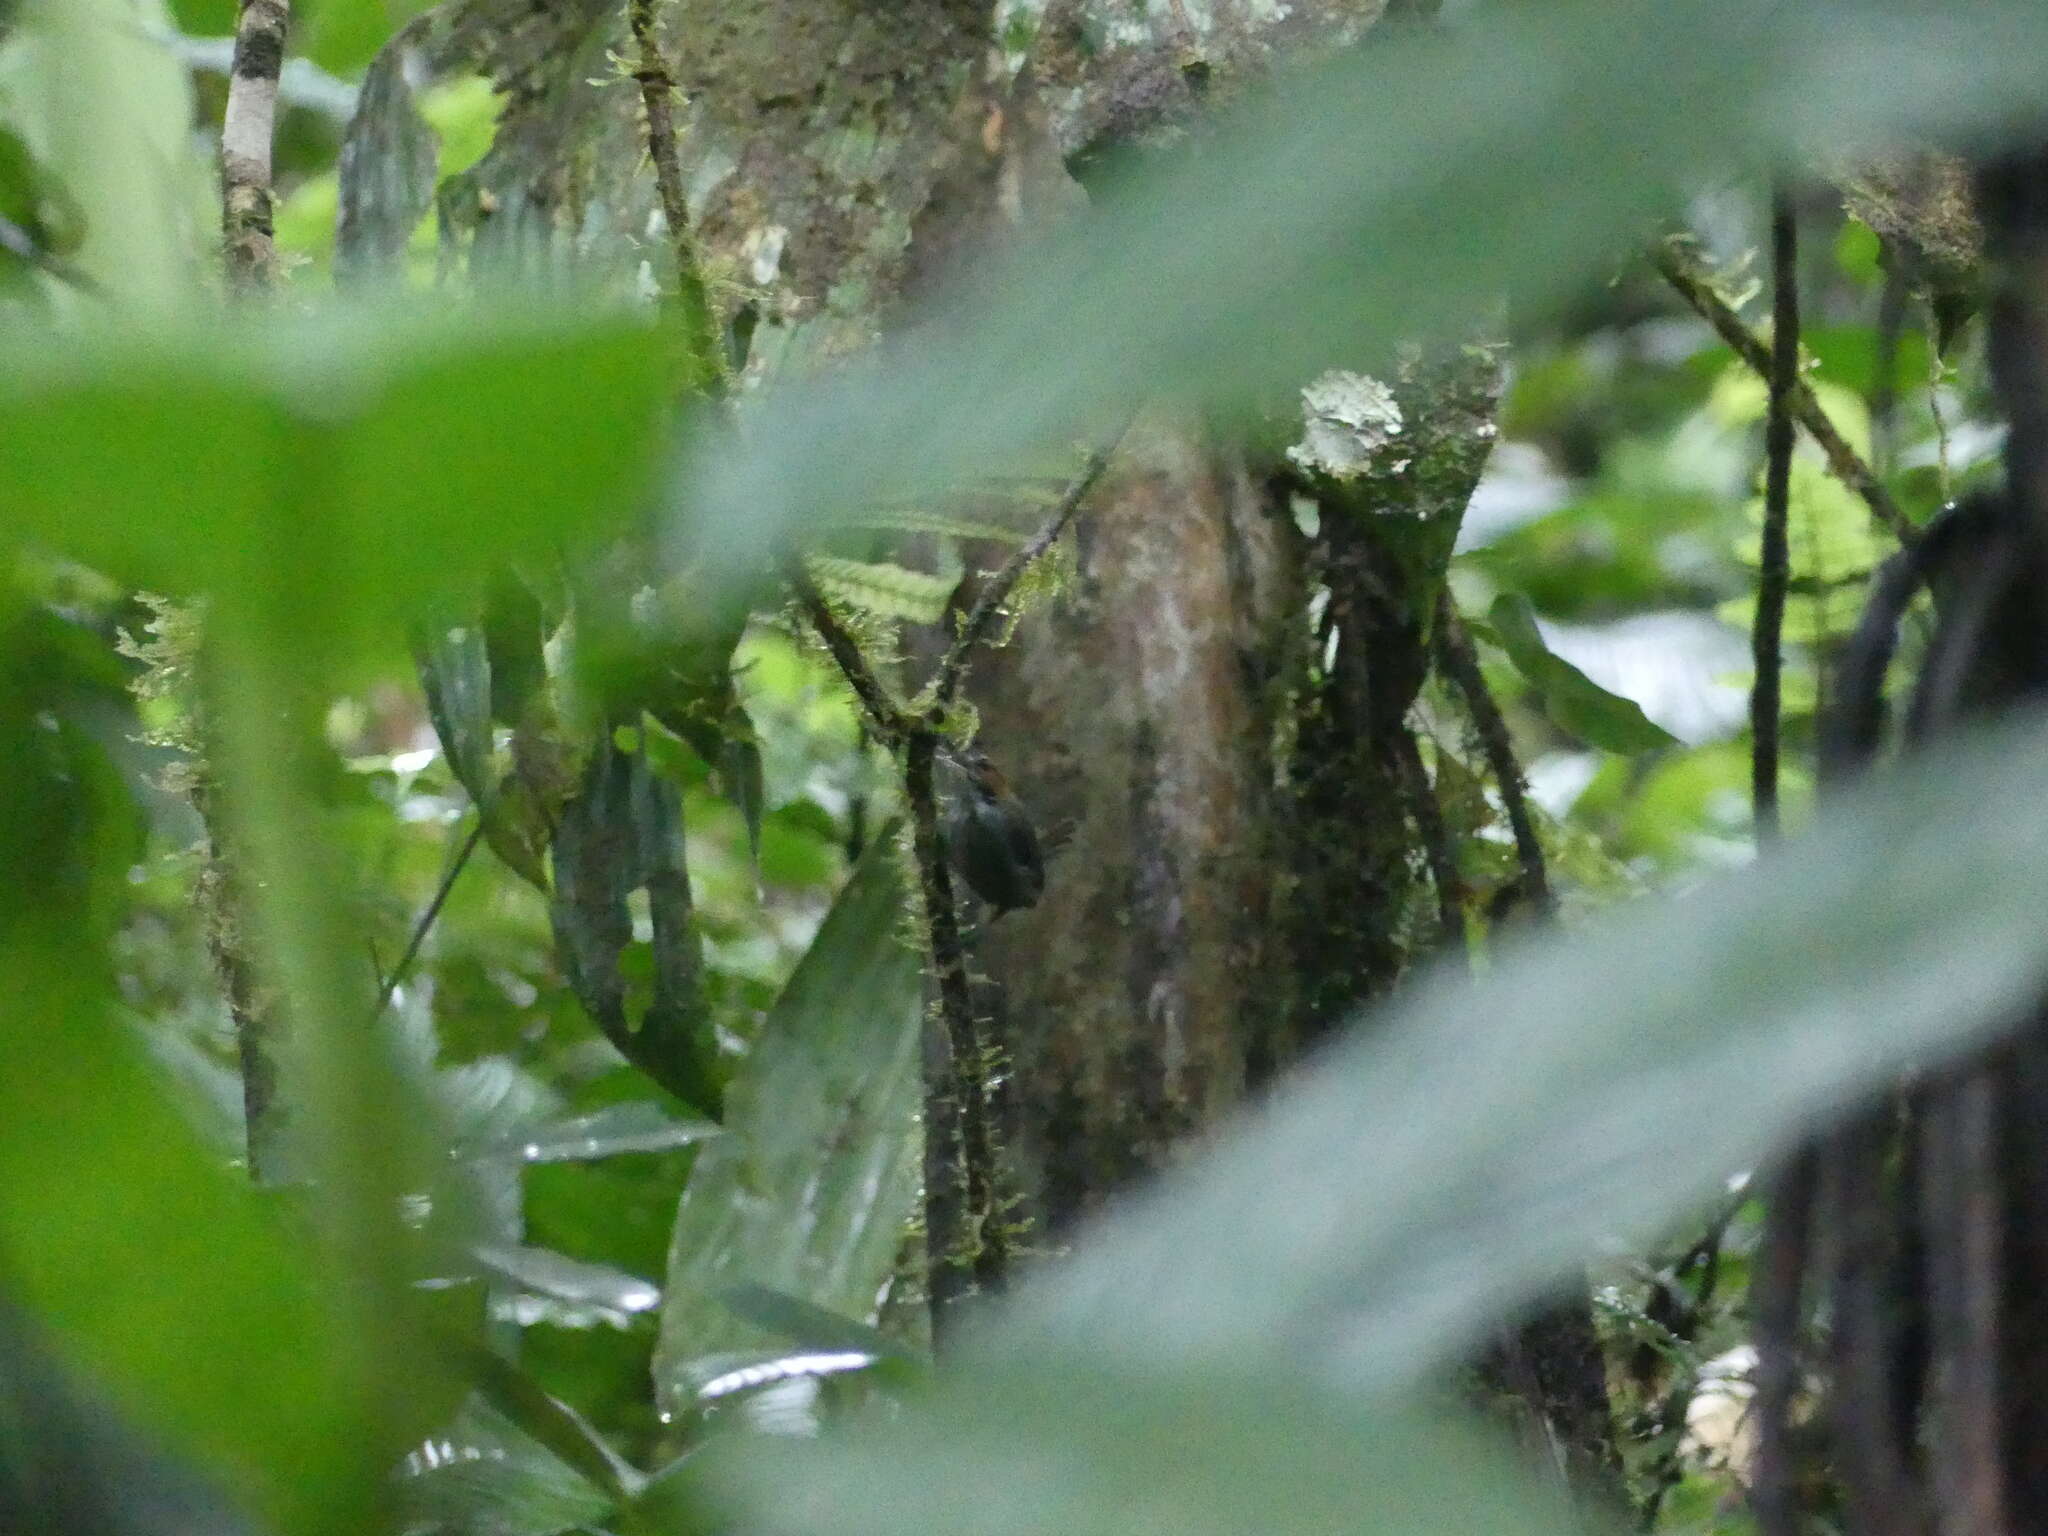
(1577, 703)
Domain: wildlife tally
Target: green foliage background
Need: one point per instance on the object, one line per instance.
(1253, 1345)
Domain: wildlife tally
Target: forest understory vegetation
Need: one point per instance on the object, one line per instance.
(1023, 766)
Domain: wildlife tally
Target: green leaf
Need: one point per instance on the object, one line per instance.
(879, 586)
(561, 1278)
(1579, 705)
(387, 169)
(817, 1329)
(1064, 1447)
(742, 774)
(341, 36)
(732, 1372)
(336, 469)
(622, 833)
(490, 1474)
(638, 1125)
(455, 674)
(809, 1190)
(1904, 929)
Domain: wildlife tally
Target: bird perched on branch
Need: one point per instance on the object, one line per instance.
(989, 834)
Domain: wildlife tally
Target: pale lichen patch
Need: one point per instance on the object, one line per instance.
(1348, 421)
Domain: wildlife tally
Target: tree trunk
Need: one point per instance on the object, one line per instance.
(1138, 720)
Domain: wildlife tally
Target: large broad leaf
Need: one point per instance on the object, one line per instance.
(1572, 699)
(1458, 1154)
(638, 1125)
(342, 470)
(1388, 194)
(809, 1189)
(490, 1474)
(1060, 1447)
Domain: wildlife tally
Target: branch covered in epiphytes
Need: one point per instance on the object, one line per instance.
(966, 1239)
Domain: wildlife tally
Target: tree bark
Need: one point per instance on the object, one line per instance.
(1137, 718)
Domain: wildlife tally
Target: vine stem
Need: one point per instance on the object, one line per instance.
(1460, 663)
(1783, 1252)
(1775, 573)
(988, 603)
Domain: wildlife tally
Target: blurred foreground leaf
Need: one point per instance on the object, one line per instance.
(1061, 1447)
(343, 469)
(179, 1295)
(1509, 1126)
(1396, 191)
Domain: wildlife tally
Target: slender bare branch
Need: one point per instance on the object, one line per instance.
(247, 130)
(1460, 663)
(425, 924)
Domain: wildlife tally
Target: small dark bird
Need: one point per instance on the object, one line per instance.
(990, 837)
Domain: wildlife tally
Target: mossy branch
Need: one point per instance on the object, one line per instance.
(707, 374)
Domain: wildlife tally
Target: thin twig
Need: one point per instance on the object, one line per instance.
(246, 132)
(1460, 663)
(1689, 278)
(426, 919)
(1775, 563)
(706, 360)
(981, 618)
